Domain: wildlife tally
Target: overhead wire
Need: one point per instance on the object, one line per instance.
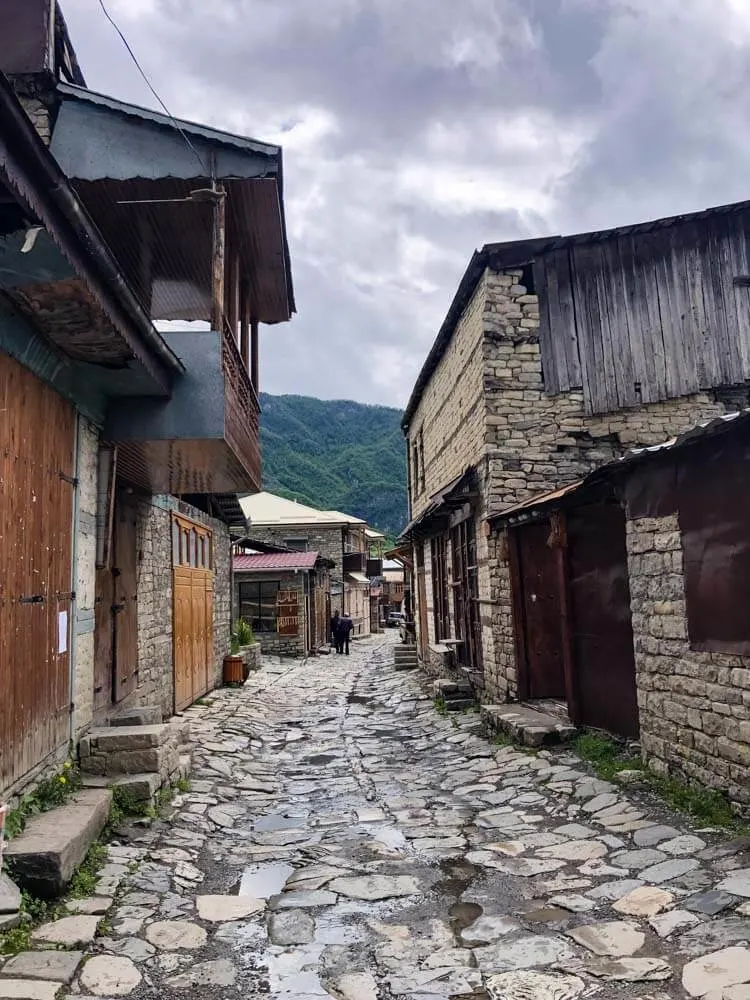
(204, 169)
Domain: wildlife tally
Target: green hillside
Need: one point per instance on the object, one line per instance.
(336, 455)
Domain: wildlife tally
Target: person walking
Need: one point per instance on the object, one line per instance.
(346, 625)
(335, 627)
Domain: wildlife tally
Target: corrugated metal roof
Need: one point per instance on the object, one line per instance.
(269, 509)
(275, 560)
(359, 577)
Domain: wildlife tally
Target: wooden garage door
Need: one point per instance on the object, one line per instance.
(193, 588)
(37, 432)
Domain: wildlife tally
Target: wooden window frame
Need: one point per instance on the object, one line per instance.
(255, 620)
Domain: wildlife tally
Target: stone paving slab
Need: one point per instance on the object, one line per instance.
(341, 838)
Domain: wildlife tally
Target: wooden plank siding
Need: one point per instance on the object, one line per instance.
(37, 433)
(193, 610)
(647, 316)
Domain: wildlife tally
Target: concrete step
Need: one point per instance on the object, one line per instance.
(526, 726)
(407, 664)
(46, 853)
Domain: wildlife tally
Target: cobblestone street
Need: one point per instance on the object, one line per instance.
(341, 837)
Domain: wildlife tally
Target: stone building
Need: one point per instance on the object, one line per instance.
(126, 443)
(340, 538)
(286, 599)
(640, 573)
(557, 355)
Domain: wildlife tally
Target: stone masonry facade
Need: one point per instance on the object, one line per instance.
(271, 643)
(694, 706)
(485, 406)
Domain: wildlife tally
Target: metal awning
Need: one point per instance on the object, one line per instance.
(358, 577)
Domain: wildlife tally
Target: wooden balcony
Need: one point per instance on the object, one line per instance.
(206, 437)
(355, 562)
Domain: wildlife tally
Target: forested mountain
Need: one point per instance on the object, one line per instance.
(336, 455)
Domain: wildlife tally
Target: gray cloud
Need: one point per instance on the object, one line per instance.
(414, 132)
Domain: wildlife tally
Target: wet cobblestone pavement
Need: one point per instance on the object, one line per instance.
(341, 837)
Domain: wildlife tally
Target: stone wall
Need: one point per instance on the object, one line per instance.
(694, 706)
(326, 541)
(82, 644)
(271, 643)
(39, 114)
(450, 414)
(155, 609)
(536, 443)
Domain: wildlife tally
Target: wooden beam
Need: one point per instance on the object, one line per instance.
(218, 262)
(233, 292)
(254, 354)
(245, 325)
(560, 532)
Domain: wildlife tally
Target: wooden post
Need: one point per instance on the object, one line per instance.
(218, 262)
(245, 326)
(254, 354)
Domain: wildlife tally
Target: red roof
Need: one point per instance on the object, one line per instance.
(275, 560)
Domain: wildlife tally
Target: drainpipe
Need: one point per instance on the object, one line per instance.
(72, 624)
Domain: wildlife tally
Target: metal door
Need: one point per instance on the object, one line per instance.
(601, 624)
(539, 601)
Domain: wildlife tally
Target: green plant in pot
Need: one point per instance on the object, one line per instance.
(243, 632)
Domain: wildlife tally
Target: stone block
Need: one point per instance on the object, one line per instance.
(10, 895)
(47, 852)
(147, 715)
(137, 737)
(59, 966)
(141, 787)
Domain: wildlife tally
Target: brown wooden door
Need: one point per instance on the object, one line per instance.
(116, 611)
(421, 609)
(193, 611)
(37, 432)
(539, 603)
(602, 630)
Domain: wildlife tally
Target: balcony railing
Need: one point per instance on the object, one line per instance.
(242, 413)
(354, 562)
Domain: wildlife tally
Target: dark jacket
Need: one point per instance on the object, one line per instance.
(345, 627)
(335, 625)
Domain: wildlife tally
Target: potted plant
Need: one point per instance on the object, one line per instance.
(233, 662)
(240, 642)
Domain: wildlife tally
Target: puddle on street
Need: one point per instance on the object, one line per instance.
(546, 915)
(264, 881)
(295, 973)
(279, 821)
(463, 915)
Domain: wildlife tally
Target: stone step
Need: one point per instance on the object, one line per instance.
(527, 726)
(459, 704)
(446, 687)
(407, 664)
(46, 853)
(133, 750)
(147, 715)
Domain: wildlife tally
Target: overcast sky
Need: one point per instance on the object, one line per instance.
(414, 131)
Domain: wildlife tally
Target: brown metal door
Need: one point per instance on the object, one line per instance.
(540, 605)
(193, 616)
(602, 628)
(37, 431)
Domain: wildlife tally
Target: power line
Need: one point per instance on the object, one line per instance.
(148, 83)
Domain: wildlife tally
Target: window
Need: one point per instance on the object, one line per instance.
(258, 604)
(466, 598)
(191, 544)
(440, 588)
(296, 544)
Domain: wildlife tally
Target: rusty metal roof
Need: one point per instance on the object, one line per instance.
(275, 560)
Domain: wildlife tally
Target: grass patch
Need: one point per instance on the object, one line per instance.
(606, 756)
(83, 883)
(206, 702)
(440, 707)
(48, 794)
(706, 806)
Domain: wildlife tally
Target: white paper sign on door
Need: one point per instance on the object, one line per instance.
(62, 632)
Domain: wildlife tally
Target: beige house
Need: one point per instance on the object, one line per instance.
(341, 538)
(556, 357)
